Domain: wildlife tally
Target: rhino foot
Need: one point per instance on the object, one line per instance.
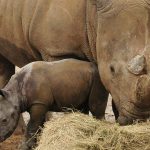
(122, 120)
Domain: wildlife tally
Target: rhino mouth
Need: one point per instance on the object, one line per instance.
(136, 114)
(3, 138)
(138, 108)
(9, 132)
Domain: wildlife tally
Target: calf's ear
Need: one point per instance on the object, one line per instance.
(3, 93)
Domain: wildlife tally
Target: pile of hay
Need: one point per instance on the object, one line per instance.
(80, 132)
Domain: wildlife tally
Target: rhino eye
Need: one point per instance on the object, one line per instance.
(112, 69)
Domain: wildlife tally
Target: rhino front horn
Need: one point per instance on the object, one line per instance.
(137, 65)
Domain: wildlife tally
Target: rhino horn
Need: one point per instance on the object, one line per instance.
(137, 65)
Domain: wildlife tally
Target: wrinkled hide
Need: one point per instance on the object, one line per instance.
(44, 30)
(123, 55)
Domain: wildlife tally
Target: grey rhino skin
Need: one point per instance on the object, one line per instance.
(42, 86)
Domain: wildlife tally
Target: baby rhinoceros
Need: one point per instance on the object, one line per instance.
(40, 87)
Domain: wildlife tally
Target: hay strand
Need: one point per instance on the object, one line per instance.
(77, 131)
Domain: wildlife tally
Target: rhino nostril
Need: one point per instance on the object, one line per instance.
(13, 115)
(4, 120)
(15, 107)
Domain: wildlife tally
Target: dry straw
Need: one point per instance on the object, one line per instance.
(80, 132)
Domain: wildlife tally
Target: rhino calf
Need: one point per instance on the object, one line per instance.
(43, 86)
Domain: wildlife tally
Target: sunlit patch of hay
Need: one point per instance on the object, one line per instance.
(80, 132)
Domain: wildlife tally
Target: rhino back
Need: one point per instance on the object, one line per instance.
(61, 32)
(42, 29)
(15, 17)
(67, 80)
(70, 82)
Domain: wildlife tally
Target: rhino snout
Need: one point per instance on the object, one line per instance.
(9, 117)
(137, 65)
(122, 120)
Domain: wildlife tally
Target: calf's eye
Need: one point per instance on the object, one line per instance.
(112, 69)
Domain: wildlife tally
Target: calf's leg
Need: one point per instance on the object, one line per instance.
(37, 119)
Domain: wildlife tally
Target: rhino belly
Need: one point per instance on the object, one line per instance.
(16, 55)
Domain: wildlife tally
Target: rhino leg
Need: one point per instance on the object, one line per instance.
(98, 99)
(115, 110)
(7, 69)
(37, 119)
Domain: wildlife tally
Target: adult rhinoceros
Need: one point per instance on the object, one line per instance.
(48, 30)
(123, 55)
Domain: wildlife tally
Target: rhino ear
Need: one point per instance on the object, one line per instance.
(1, 93)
